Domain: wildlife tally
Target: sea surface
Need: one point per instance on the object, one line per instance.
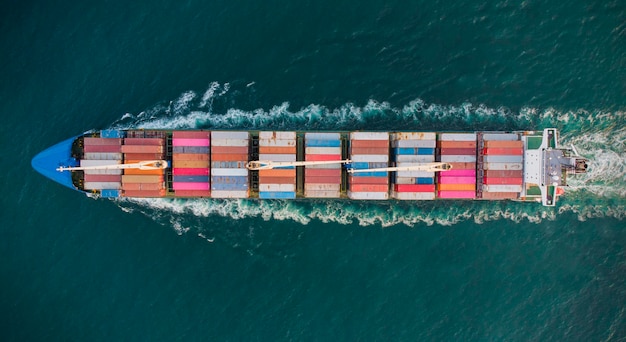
(74, 268)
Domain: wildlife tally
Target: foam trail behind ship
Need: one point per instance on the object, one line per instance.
(599, 136)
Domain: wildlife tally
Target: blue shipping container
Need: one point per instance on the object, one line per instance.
(323, 143)
(369, 174)
(109, 193)
(277, 194)
(192, 179)
(191, 149)
(112, 133)
(424, 180)
(422, 151)
(229, 186)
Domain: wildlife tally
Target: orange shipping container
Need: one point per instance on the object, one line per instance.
(229, 150)
(277, 149)
(141, 149)
(141, 179)
(142, 186)
(369, 150)
(143, 172)
(369, 143)
(143, 141)
(463, 166)
(191, 164)
(143, 156)
(504, 144)
(192, 193)
(500, 195)
(456, 144)
(461, 187)
(277, 173)
(503, 151)
(189, 156)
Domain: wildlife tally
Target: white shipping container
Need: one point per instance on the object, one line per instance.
(403, 158)
(502, 188)
(277, 135)
(229, 135)
(375, 158)
(369, 136)
(503, 159)
(84, 162)
(413, 136)
(457, 137)
(414, 143)
(103, 156)
(277, 142)
(368, 195)
(404, 180)
(278, 157)
(277, 187)
(501, 136)
(321, 194)
(458, 159)
(324, 166)
(322, 136)
(103, 172)
(322, 187)
(228, 172)
(229, 194)
(229, 142)
(414, 174)
(413, 196)
(323, 150)
(503, 166)
(102, 185)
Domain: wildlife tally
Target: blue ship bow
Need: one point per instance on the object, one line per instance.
(47, 161)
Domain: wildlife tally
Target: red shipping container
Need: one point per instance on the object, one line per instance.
(414, 187)
(322, 157)
(369, 143)
(277, 180)
(143, 193)
(141, 149)
(103, 148)
(458, 151)
(512, 181)
(192, 193)
(368, 180)
(504, 144)
(143, 156)
(191, 135)
(503, 151)
(463, 166)
(369, 150)
(144, 141)
(190, 171)
(229, 157)
(322, 172)
(102, 141)
(103, 178)
(456, 144)
(229, 150)
(369, 187)
(322, 180)
(504, 173)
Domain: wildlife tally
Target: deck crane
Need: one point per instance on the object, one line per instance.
(268, 165)
(142, 165)
(429, 167)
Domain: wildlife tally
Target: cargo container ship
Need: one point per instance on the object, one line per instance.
(520, 165)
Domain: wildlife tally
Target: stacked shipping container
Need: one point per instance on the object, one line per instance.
(502, 165)
(100, 152)
(369, 150)
(278, 182)
(229, 156)
(413, 149)
(142, 183)
(190, 164)
(322, 181)
(459, 150)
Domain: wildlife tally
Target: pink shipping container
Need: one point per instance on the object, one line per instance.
(191, 186)
(322, 180)
(143, 141)
(190, 172)
(191, 135)
(456, 180)
(102, 141)
(456, 194)
(190, 142)
(459, 173)
(414, 187)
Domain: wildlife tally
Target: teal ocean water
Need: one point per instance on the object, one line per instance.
(83, 269)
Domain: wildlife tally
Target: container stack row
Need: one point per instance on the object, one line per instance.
(324, 180)
(229, 156)
(459, 150)
(190, 163)
(100, 152)
(143, 183)
(369, 150)
(411, 149)
(502, 165)
(279, 182)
